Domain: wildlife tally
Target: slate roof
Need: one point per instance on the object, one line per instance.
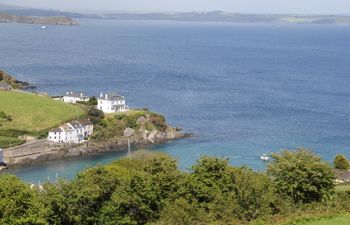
(75, 95)
(76, 124)
(85, 122)
(56, 130)
(112, 96)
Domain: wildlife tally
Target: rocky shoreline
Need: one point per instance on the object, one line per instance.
(43, 150)
(13, 83)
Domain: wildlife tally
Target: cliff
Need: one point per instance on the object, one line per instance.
(49, 20)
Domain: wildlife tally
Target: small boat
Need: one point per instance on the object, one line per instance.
(43, 27)
(264, 157)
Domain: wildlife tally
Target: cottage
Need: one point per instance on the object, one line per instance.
(110, 103)
(73, 132)
(88, 126)
(5, 86)
(72, 97)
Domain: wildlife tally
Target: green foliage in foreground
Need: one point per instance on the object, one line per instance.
(302, 176)
(150, 189)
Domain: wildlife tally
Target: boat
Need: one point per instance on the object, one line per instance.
(265, 157)
(43, 27)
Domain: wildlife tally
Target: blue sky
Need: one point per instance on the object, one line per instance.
(240, 6)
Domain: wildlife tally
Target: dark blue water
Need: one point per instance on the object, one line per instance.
(244, 90)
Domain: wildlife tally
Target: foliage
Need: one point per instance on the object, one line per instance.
(302, 176)
(18, 203)
(92, 101)
(341, 162)
(150, 189)
(95, 115)
(112, 126)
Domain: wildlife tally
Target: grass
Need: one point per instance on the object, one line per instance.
(130, 112)
(32, 113)
(342, 188)
(6, 142)
(338, 220)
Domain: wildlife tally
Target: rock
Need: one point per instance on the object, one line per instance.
(128, 132)
(141, 120)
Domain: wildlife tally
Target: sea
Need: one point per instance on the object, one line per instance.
(242, 89)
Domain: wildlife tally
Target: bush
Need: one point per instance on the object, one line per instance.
(95, 115)
(341, 162)
(18, 203)
(302, 175)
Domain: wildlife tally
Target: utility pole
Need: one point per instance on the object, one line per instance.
(129, 149)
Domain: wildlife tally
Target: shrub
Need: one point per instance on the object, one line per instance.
(341, 162)
(302, 175)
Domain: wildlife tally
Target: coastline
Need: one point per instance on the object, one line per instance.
(42, 150)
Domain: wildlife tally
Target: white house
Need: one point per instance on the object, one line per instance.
(72, 97)
(110, 103)
(73, 132)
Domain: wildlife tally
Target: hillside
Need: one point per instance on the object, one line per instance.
(31, 114)
(219, 16)
(51, 20)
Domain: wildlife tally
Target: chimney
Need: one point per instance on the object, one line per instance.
(101, 95)
(81, 95)
(67, 93)
(106, 96)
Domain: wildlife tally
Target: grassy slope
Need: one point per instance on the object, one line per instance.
(342, 188)
(33, 113)
(338, 220)
(6, 142)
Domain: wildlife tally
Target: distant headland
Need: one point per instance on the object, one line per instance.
(30, 15)
(47, 20)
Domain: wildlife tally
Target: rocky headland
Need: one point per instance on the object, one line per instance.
(8, 82)
(111, 133)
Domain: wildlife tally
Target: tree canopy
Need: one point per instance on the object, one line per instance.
(150, 189)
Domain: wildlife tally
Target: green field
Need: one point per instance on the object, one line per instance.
(32, 113)
(6, 142)
(342, 188)
(338, 220)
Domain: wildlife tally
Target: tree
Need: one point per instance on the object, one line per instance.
(96, 115)
(302, 175)
(341, 162)
(19, 203)
(92, 101)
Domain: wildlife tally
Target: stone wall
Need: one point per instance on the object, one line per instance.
(40, 151)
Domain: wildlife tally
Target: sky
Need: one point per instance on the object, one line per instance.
(238, 6)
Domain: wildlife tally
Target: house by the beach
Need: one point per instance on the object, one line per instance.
(74, 132)
(73, 97)
(110, 103)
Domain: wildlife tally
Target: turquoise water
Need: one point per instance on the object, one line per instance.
(244, 90)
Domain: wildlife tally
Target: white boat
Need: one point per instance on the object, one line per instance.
(264, 157)
(43, 27)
